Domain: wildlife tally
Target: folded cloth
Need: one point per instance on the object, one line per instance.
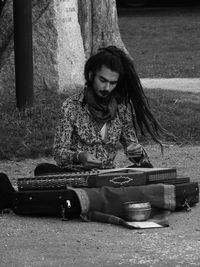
(158, 219)
(109, 201)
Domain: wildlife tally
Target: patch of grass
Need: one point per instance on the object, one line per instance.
(164, 42)
(30, 133)
(178, 112)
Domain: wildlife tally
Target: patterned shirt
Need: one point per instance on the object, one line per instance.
(77, 131)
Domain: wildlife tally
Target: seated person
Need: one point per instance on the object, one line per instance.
(105, 113)
(93, 122)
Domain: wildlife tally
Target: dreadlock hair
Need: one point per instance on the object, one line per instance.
(129, 88)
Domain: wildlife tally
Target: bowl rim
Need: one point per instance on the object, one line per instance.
(137, 202)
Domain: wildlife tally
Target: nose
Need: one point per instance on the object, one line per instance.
(107, 86)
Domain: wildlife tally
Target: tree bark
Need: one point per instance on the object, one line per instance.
(2, 4)
(99, 25)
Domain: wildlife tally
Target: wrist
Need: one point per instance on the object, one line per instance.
(76, 158)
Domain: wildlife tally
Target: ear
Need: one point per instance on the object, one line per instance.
(90, 76)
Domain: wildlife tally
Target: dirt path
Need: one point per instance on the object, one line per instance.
(26, 241)
(183, 84)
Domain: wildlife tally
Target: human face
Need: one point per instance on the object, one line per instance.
(105, 81)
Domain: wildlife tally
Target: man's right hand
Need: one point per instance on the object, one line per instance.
(89, 161)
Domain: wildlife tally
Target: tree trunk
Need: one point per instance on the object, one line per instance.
(23, 53)
(2, 4)
(99, 25)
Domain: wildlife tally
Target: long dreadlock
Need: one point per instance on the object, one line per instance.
(129, 88)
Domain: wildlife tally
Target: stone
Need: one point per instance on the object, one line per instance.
(58, 51)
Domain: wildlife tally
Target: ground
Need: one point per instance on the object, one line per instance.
(163, 43)
(29, 241)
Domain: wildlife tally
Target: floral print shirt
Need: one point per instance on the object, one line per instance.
(77, 131)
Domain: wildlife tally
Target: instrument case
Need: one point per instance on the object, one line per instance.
(65, 203)
(187, 195)
(59, 203)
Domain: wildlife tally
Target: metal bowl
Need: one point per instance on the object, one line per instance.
(137, 211)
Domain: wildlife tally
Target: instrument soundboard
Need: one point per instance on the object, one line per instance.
(98, 178)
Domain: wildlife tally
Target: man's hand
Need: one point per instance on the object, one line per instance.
(89, 161)
(135, 150)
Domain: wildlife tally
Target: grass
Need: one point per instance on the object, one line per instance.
(178, 112)
(29, 134)
(164, 42)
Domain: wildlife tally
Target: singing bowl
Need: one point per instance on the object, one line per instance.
(137, 211)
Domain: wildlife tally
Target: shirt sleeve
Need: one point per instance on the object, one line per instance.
(64, 154)
(128, 136)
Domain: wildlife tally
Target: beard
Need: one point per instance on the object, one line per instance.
(103, 94)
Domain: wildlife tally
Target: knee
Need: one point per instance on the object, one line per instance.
(5, 184)
(3, 177)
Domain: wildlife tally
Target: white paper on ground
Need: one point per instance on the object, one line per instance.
(145, 224)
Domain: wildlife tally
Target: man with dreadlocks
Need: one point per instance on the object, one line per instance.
(92, 124)
(95, 121)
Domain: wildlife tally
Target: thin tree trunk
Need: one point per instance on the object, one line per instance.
(23, 53)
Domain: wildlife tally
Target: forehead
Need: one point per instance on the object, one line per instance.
(107, 74)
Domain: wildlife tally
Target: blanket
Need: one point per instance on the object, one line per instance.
(105, 204)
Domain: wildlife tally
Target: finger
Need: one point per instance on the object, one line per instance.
(94, 163)
(93, 160)
(138, 153)
(133, 146)
(91, 166)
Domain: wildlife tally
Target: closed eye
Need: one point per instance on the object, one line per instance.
(113, 83)
(103, 80)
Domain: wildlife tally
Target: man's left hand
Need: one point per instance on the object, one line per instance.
(135, 150)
